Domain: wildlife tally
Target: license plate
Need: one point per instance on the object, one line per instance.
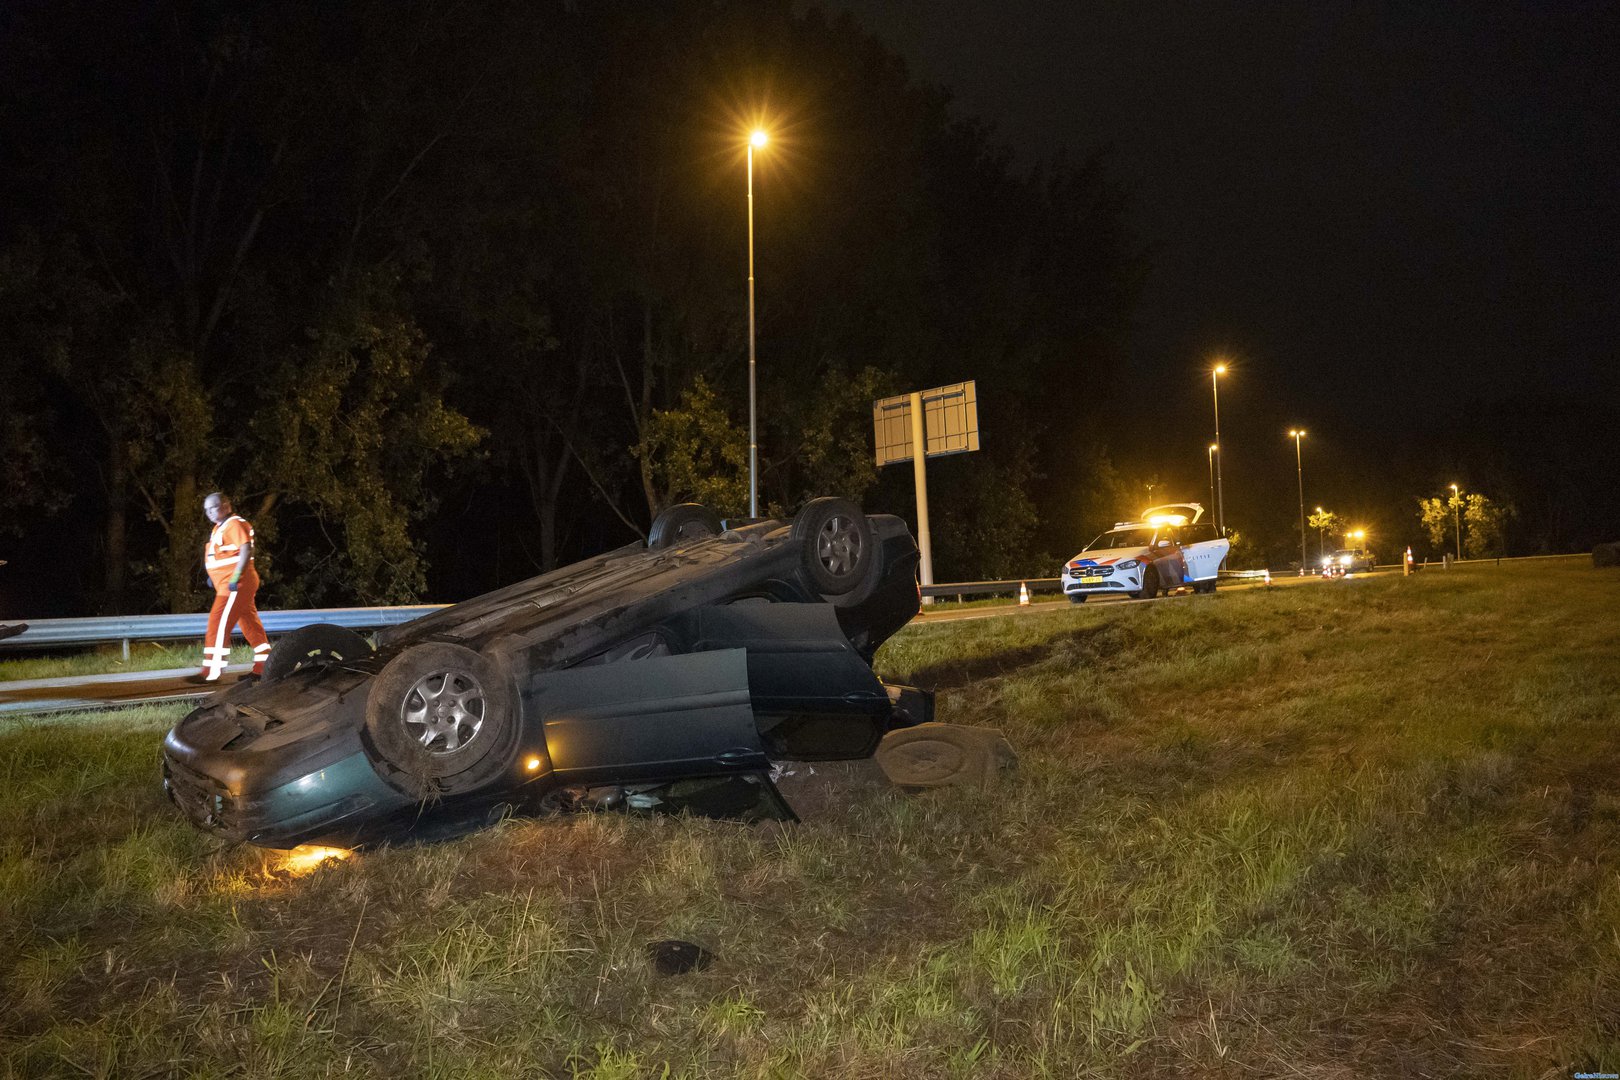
(1091, 581)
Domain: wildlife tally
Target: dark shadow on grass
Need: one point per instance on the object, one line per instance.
(1101, 645)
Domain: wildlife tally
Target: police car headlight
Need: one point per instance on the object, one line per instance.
(1128, 564)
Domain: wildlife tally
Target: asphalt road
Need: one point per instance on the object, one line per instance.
(150, 687)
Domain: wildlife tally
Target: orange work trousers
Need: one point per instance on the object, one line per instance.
(230, 610)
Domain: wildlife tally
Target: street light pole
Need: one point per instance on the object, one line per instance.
(758, 138)
(1456, 517)
(1299, 467)
(1212, 449)
(1321, 531)
(1220, 486)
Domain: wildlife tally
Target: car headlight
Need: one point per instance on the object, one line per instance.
(1344, 560)
(1128, 564)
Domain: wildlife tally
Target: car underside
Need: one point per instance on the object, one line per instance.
(691, 665)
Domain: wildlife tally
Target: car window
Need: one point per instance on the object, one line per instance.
(1197, 533)
(1139, 536)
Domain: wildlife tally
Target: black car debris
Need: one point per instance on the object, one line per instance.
(682, 668)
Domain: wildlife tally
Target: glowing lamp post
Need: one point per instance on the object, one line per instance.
(757, 139)
(1212, 448)
(1299, 467)
(1220, 486)
(1456, 517)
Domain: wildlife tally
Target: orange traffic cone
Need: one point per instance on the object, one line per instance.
(1023, 594)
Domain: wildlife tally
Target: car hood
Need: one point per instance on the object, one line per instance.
(1108, 556)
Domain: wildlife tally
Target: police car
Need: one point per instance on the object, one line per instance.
(1171, 546)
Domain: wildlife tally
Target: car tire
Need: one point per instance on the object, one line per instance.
(1150, 584)
(836, 545)
(935, 755)
(683, 522)
(441, 719)
(1077, 598)
(315, 645)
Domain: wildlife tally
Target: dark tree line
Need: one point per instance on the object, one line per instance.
(446, 293)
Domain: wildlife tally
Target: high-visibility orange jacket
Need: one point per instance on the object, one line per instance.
(225, 548)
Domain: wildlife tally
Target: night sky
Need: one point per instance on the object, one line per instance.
(1389, 216)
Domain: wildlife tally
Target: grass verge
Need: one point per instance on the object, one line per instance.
(1362, 828)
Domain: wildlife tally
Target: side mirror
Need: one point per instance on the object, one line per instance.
(1164, 543)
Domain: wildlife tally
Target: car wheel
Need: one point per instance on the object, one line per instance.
(312, 646)
(936, 755)
(441, 719)
(836, 545)
(1150, 584)
(1077, 598)
(683, 522)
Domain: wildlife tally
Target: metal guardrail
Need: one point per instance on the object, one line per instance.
(987, 588)
(44, 633)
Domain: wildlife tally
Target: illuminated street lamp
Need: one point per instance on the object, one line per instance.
(1456, 517)
(1299, 467)
(1212, 448)
(1220, 486)
(757, 139)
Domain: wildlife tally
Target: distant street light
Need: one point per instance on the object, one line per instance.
(1220, 485)
(1299, 467)
(1212, 448)
(1456, 517)
(757, 139)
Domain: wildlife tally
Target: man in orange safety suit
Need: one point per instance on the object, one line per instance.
(229, 561)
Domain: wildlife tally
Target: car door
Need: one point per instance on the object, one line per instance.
(1203, 551)
(814, 697)
(1167, 557)
(651, 718)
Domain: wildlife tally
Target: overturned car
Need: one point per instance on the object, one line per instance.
(693, 662)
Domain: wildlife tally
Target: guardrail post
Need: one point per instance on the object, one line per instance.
(125, 642)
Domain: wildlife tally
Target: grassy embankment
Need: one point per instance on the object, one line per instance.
(1362, 828)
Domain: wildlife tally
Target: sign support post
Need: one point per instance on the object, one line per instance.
(920, 425)
(919, 471)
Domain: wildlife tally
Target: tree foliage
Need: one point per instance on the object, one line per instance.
(413, 282)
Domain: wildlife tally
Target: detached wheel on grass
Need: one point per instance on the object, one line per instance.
(944, 755)
(1077, 598)
(836, 545)
(441, 718)
(681, 523)
(313, 646)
